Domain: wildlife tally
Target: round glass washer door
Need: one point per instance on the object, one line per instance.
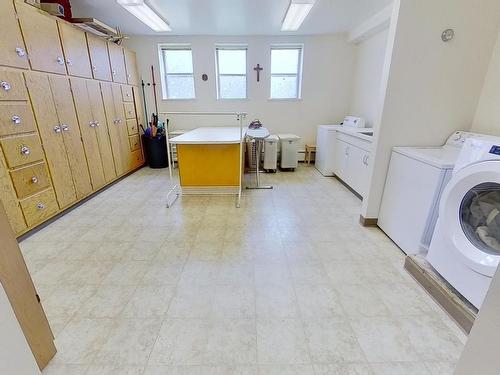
(480, 217)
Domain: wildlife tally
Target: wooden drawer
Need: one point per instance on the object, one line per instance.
(30, 180)
(135, 142)
(127, 94)
(136, 159)
(129, 110)
(16, 118)
(132, 127)
(12, 86)
(39, 207)
(22, 150)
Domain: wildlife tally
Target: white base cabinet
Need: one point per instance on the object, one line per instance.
(352, 156)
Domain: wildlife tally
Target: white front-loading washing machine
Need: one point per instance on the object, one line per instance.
(465, 248)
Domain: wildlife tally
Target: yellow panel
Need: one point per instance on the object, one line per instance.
(209, 165)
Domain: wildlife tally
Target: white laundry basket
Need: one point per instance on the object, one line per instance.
(271, 153)
(289, 158)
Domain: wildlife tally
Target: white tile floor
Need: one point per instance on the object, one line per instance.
(288, 284)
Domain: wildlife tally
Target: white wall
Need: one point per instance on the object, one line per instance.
(15, 353)
(326, 86)
(431, 88)
(370, 54)
(487, 119)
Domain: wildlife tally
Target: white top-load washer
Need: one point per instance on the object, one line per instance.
(325, 142)
(415, 180)
(465, 248)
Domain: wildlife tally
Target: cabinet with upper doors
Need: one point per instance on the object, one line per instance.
(117, 61)
(99, 58)
(131, 67)
(11, 40)
(76, 54)
(352, 155)
(42, 39)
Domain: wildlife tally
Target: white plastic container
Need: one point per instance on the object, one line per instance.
(271, 153)
(289, 158)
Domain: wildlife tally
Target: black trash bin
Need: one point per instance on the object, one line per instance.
(156, 151)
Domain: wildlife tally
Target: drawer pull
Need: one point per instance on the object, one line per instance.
(65, 128)
(20, 52)
(5, 85)
(127, 95)
(94, 68)
(34, 180)
(16, 120)
(97, 123)
(60, 60)
(114, 72)
(92, 124)
(25, 150)
(129, 112)
(129, 76)
(40, 206)
(69, 62)
(57, 129)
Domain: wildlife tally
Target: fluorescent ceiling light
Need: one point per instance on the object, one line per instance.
(296, 14)
(144, 13)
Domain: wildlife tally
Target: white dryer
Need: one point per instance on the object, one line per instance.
(415, 180)
(465, 248)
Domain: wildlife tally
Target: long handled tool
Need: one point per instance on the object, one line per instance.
(144, 98)
(154, 88)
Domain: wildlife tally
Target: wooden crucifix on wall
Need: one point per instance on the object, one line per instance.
(258, 69)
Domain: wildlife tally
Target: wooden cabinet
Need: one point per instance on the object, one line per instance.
(22, 150)
(117, 61)
(16, 118)
(127, 93)
(42, 40)
(131, 66)
(30, 180)
(52, 139)
(129, 110)
(75, 49)
(12, 85)
(116, 125)
(99, 58)
(101, 129)
(11, 41)
(139, 110)
(135, 142)
(132, 126)
(39, 207)
(8, 198)
(89, 134)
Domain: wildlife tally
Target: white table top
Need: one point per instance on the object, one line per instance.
(210, 135)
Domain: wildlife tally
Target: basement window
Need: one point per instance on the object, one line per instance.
(231, 72)
(286, 72)
(177, 72)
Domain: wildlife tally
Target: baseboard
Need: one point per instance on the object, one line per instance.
(368, 222)
(457, 307)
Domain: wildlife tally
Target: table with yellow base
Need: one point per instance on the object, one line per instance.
(209, 160)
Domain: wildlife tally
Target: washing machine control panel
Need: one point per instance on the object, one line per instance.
(458, 138)
(495, 150)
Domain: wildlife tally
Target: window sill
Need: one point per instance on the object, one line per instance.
(178, 100)
(232, 99)
(284, 99)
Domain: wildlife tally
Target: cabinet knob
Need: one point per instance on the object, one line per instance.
(20, 52)
(60, 60)
(34, 180)
(16, 120)
(69, 62)
(94, 68)
(114, 72)
(40, 206)
(57, 129)
(65, 128)
(92, 124)
(25, 150)
(127, 95)
(5, 85)
(129, 76)
(97, 123)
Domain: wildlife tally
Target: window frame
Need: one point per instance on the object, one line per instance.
(299, 73)
(163, 69)
(233, 47)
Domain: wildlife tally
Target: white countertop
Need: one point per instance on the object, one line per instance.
(357, 132)
(210, 135)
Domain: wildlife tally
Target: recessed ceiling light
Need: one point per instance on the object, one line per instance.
(296, 14)
(145, 14)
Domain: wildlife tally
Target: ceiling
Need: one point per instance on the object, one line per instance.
(232, 17)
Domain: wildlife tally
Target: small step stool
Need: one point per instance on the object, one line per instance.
(310, 149)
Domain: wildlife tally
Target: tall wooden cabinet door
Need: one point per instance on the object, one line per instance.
(89, 133)
(113, 127)
(65, 108)
(99, 58)
(131, 66)
(101, 129)
(52, 139)
(9, 199)
(18, 286)
(139, 109)
(42, 39)
(11, 40)
(75, 49)
(122, 125)
(117, 61)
